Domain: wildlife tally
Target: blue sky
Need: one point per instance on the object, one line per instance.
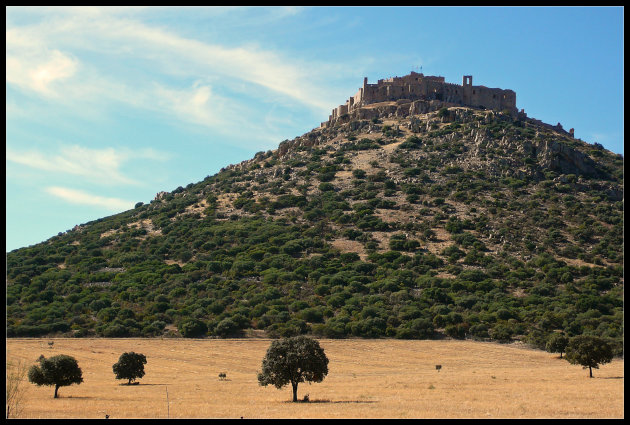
(108, 106)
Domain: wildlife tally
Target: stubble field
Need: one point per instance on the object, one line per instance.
(366, 379)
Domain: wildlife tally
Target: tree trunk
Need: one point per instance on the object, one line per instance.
(295, 385)
(56, 388)
(590, 371)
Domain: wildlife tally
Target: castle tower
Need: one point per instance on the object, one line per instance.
(467, 89)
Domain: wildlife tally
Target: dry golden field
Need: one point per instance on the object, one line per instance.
(366, 379)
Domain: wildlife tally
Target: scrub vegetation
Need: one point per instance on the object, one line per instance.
(458, 223)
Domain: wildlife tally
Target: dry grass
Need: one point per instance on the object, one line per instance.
(366, 379)
(347, 245)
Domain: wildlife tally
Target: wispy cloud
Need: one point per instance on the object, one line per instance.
(40, 72)
(98, 165)
(249, 63)
(83, 198)
(197, 104)
(53, 50)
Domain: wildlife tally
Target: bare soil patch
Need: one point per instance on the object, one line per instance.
(347, 245)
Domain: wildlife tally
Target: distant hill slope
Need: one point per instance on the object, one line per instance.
(459, 222)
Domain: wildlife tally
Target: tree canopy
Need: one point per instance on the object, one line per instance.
(130, 366)
(557, 343)
(293, 360)
(588, 351)
(58, 371)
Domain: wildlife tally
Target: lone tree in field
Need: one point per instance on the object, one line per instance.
(60, 371)
(588, 351)
(293, 360)
(130, 366)
(557, 343)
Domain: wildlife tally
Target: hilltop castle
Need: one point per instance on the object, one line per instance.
(417, 86)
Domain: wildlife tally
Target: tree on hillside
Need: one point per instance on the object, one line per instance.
(60, 371)
(293, 360)
(226, 327)
(588, 351)
(130, 366)
(557, 343)
(193, 328)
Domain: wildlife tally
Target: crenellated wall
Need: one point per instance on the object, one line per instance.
(417, 86)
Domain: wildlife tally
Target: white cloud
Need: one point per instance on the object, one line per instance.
(98, 165)
(58, 67)
(37, 55)
(98, 59)
(39, 72)
(197, 104)
(79, 197)
(186, 56)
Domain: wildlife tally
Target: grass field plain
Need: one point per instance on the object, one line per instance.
(366, 379)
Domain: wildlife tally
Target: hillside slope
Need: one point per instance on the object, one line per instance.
(456, 221)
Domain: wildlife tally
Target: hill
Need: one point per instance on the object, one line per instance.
(391, 221)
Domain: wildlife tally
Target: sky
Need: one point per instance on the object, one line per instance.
(106, 106)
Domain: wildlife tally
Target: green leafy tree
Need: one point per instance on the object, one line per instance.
(193, 328)
(130, 366)
(226, 327)
(557, 343)
(293, 360)
(57, 371)
(588, 351)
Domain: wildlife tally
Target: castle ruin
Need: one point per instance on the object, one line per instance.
(417, 86)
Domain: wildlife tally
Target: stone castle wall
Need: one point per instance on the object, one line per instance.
(417, 86)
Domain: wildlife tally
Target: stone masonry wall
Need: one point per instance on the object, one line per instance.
(417, 86)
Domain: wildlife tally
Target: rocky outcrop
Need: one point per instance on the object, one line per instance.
(312, 138)
(557, 156)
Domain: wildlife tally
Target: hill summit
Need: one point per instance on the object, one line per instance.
(404, 218)
(421, 90)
